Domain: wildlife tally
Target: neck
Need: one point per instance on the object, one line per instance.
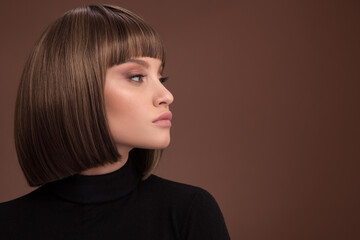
(108, 168)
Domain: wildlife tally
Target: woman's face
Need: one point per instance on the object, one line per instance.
(134, 98)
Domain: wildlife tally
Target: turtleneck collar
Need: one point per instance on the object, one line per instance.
(97, 188)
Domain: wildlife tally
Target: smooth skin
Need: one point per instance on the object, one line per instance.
(134, 97)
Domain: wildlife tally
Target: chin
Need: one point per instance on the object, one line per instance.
(158, 144)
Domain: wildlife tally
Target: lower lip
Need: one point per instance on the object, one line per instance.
(163, 123)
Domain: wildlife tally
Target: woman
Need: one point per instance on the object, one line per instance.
(92, 116)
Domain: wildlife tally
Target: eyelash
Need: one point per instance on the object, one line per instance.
(162, 80)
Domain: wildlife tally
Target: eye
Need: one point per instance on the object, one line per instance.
(137, 78)
(163, 79)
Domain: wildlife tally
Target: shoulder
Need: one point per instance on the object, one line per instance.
(194, 207)
(16, 204)
(156, 181)
(18, 212)
(177, 197)
(36, 196)
(10, 212)
(171, 189)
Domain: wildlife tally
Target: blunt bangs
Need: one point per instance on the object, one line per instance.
(133, 39)
(60, 125)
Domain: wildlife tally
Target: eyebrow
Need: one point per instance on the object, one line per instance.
(145, 64)
(138, 61)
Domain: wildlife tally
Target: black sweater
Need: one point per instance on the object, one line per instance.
(117, 205)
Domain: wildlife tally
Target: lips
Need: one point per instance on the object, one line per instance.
(164, 120)
(164, 116)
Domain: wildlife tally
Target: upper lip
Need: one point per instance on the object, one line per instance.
(164, 116)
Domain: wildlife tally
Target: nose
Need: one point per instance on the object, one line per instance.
(162, 96)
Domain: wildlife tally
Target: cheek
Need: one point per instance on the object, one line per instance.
(126, 113)
(130, 114)
(118, 105)
(124, 107)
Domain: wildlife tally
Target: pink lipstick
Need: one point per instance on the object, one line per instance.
(164, 120)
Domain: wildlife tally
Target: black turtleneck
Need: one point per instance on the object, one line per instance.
(117, 205)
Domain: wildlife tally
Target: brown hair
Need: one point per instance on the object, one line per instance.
(60, 120)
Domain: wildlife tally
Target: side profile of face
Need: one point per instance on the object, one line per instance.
(135, 98)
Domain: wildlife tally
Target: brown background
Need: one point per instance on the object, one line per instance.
(266, 111)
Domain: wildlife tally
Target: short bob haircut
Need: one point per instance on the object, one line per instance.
(61, 126)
